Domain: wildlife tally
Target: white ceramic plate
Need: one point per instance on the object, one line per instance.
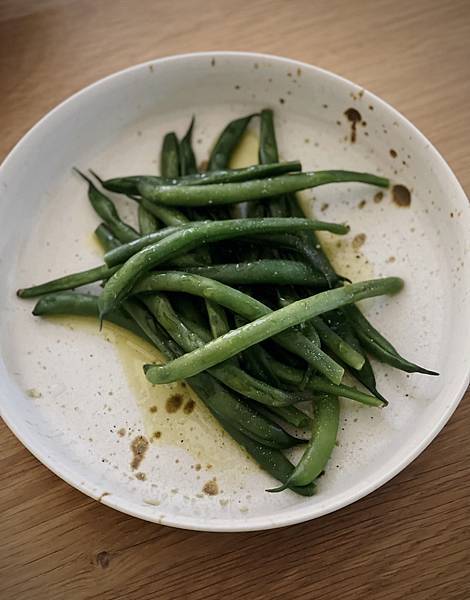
(77, 401)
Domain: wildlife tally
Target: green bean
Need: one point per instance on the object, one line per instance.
(187, 159)
(294, 377)
(227, 373)
(266, 326)
(169, 157)
(337, 345)
(227, 142)
(148, 223)
(264, 271)
(321, 444)
(217, 318)
(233, 193)
(338, 321)
(314, 252)
(170, 216)
(129, 185)
(181, 242)
(245, 306)
(82, 305)
(106, 238)
(268, 152)
(119, 255)
(105, 208)
(333, 341)
(69, 282)
(292, 415)
(269, 459)
(380, 347)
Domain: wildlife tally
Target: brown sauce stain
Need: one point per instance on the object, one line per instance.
(361, 204)
(358, 241)
(211, 488)
(354, 117)
(157, 435)
(153, 409)
(393, 153)
(189, 407)
(139, 447)
(401, 195)
(103, 495)
(174, 403)
(379, 196)
(141, 476)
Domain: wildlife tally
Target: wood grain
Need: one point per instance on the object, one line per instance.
(411, 538)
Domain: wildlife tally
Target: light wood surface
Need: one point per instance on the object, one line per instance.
(411, 538)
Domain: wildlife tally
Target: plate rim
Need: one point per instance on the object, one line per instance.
(287, 517)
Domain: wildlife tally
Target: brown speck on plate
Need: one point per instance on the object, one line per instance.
(354, 117)
(151, 68)
(281, 100)
(198, 467)
(393, 153)
(371, 107)
(324, 206)
(361, 204)
(189, 407)
(378, 197)
(157, 435)
(139, 447)
(121, 432)
(211, 488)
(299, 72)
(174, 403)
(153, 409)
(401, 195)
(391, 259)
(237, 87)
(358, 240)
(141, 476)
(213, 62)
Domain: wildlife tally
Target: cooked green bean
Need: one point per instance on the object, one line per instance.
(331, 339)
(106, 210)
(321, 444)
(129, 185)
(266, 326)
(148, 223)
(269, 459)
(82, 305)
(181, 242)
(69, 282)
(106, 238)
(314, 253)
(291, 415)
(245, 306)
(227, 142)
(264, 271)
(188, 164)
(217, 319)
(227, 373)
(169, 157)
(380, 347)
(337, 345)
(233, 193)
(268, 152)
(339, 322)
(303, 246)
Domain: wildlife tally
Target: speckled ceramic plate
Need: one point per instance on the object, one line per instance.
(77, 398)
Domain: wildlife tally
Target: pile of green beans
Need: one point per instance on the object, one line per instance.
(248, 311)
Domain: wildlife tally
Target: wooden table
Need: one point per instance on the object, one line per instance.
(411, 538)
